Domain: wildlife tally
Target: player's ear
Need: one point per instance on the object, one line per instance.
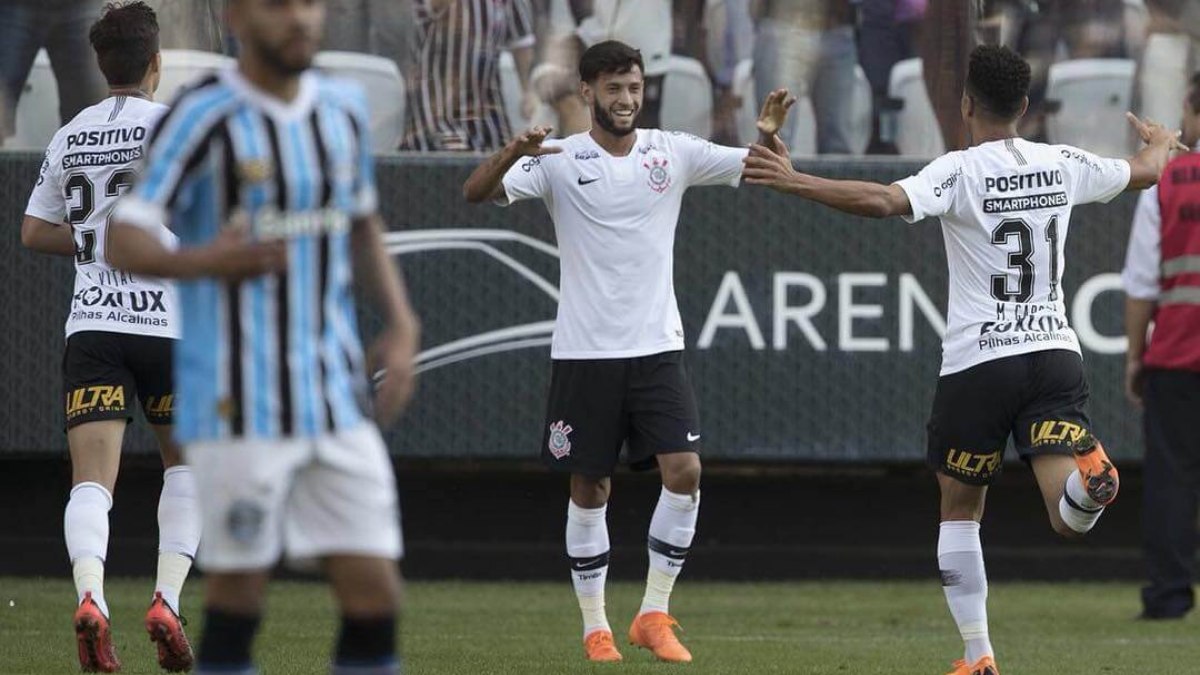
(154, 73)
(589, 95)
(1024, 107)
(967, 106)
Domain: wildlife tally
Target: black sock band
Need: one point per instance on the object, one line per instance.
(367, 642)
(227, 639)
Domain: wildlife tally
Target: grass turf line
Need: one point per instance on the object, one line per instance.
(832, 628)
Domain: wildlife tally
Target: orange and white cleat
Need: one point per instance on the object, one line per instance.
(984, 666)
(600, 647)
(1100, 477)
(94, 635)
(656, 631)
(166, 631)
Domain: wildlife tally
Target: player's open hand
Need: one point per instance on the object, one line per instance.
(774, 112)
(769, 167)
(1153, 133)
(234, 255)
(530, 142)
(394, 355)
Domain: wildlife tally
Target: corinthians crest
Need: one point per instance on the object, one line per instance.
(560, 442)
(660, 178)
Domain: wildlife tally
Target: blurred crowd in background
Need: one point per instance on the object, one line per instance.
(461, 75)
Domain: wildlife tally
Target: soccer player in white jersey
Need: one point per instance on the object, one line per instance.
(618, 375)
(1011, 364)
(264, 170)
(120, 335)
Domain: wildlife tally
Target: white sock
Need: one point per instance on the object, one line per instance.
(587, 548)
(964, 581)
(671, 530)
(85, 528)
(1079, 511)
(178, 532)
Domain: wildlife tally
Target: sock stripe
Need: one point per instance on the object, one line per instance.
(1075, 505)
(669, 550)
(590, 563)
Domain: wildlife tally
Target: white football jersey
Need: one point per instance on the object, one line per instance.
(1005, 207)
(615, 220)
(89, 164)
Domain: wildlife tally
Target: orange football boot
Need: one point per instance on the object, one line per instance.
(1100, 477)
(166, 630)
(600, 647)
(94, 635)
(655, 631)
(984, 666)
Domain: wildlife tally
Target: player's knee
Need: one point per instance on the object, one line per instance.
(243, 594)
(682, 478)
(590, 493)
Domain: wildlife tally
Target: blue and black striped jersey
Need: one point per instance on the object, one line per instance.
(277, 355)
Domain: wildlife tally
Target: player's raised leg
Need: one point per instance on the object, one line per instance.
(1070, 485)
(178, 538)
(587, 550)
(95, 456)
(672, 528)
(964, 578)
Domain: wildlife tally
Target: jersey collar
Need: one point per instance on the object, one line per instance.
(281, 110)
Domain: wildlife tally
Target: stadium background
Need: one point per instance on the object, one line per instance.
(797, 432)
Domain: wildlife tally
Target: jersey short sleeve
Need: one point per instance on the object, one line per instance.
(46, 201)
(527, 179)
(178, 144)
(366, 196)
(1094, 178)
(932, 191)
(708, 163)
(1140, 276)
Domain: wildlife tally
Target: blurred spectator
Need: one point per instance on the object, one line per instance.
(1162, 285)
(380, 27)
(61, 26)
(454, 98)
(947, 37)
(888, 34)
(807, 46)
(191, 24)
(1170, 55)
(730, 41)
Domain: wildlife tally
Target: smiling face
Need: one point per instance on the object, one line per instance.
(616, 100)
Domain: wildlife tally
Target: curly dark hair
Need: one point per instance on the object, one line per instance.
(607, 58)
(125, 39)
(998, 80)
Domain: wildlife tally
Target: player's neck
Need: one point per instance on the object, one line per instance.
(283, 87)
(136, 92)
(617, 146)
(987, 134)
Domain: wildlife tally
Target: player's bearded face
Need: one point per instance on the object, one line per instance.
(284, 33)
(617, 101)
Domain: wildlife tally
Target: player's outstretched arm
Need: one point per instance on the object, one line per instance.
(232, 255)
(1146, 166)
(486, 182)
(44, 236)
(394, 351)
(773, 169)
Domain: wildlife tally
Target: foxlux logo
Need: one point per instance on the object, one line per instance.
(560, 442)
(139, 301)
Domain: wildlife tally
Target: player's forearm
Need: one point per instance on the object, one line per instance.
(45, 237)
(1138, 314)
(134, 250)
(378, 276)
(484, 183)
(1147, 166)
(859, 198)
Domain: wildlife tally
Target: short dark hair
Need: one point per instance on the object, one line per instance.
(125, 39)
(998, 79)
(609, 57)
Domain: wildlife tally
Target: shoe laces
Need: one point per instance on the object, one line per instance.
(663, 627)
(600, 638)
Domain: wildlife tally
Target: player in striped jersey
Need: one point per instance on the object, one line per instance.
(120, 333)
(265, 174)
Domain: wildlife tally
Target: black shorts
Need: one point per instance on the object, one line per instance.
(104, 372)
(1038, 398)
(597, 406)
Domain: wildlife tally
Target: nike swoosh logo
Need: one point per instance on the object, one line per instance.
(585, 182)
(677, 554)
(692, 438)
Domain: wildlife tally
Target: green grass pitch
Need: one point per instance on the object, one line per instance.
(834, 628)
